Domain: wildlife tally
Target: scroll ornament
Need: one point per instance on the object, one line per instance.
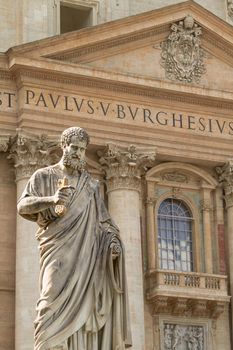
(182, 57)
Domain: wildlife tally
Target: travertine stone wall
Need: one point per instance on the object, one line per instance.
(7, 254)
(28, 20)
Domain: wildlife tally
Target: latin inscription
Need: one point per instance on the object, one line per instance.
(129, 113)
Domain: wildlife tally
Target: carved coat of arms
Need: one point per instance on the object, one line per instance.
(182, 56)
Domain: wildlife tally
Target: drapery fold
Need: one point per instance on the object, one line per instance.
(83, 293)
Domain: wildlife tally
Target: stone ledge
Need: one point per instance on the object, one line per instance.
(178, 293)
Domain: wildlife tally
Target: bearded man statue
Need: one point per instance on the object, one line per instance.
(83, 295)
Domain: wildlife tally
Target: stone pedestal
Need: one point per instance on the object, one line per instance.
(123, 170)
(28, 155)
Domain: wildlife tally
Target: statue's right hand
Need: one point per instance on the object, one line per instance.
(62, 196)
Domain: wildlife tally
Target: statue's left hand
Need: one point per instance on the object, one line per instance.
(115, 247)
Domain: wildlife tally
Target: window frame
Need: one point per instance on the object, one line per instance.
(171, 219)
(92, 5)
(194, 210)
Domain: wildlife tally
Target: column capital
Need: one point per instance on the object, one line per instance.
(225, 176)
(4, 142)
(30, 152)
(125, 165)
(205, 205)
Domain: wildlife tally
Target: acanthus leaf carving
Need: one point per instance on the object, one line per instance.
(4, 143)
(31, 152)
(124, 166)
(182, 55)
(225, 178)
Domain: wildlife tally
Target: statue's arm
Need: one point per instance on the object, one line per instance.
(34, 205)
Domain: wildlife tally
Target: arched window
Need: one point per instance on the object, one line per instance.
(175, 236)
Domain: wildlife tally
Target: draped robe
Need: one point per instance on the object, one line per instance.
(83, 294)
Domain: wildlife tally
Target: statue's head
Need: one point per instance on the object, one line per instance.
(74, 142)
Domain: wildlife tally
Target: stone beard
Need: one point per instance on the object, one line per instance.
(83, 301)
(72, 162)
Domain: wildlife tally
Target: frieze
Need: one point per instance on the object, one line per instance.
(131, 113)
(182, 56)
(120, 87)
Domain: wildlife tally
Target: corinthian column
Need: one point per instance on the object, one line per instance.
(226, 179)
(123, 174)
(29, 154)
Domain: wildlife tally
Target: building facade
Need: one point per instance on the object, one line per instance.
(155, 92)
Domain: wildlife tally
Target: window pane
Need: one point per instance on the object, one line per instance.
(175, 235)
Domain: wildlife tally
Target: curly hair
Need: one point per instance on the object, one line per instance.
(74, 131)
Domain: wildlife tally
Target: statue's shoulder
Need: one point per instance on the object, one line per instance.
(45, 172)
(92, 183)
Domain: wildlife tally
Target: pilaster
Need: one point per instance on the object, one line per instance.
(206, 211)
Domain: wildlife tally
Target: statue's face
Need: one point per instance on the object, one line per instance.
(74, 153)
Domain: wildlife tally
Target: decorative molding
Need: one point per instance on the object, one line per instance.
(179, 306)
(151, 200)
(199, 308)
(74, 55)
(230, 8)
(182, 56)
(161, 305)
(175, 176)
(191, 294)
(6, 75)
(205, 205)
(31, 152)
(124, 166)
(225, 176)
(176, 192)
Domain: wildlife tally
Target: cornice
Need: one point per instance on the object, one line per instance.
(111, 31)
(74, 55)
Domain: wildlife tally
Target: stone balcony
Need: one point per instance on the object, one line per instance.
(197, 294)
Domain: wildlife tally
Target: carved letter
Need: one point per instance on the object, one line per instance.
(29, 96)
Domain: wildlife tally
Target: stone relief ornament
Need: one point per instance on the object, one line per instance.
(230, 8)
(124, 166)
(175, 176)
(225, 178)
(31, 152)
(182, 56)
(182, 337)
(4, 143)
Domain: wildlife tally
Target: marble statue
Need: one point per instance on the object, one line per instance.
(83, 295)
